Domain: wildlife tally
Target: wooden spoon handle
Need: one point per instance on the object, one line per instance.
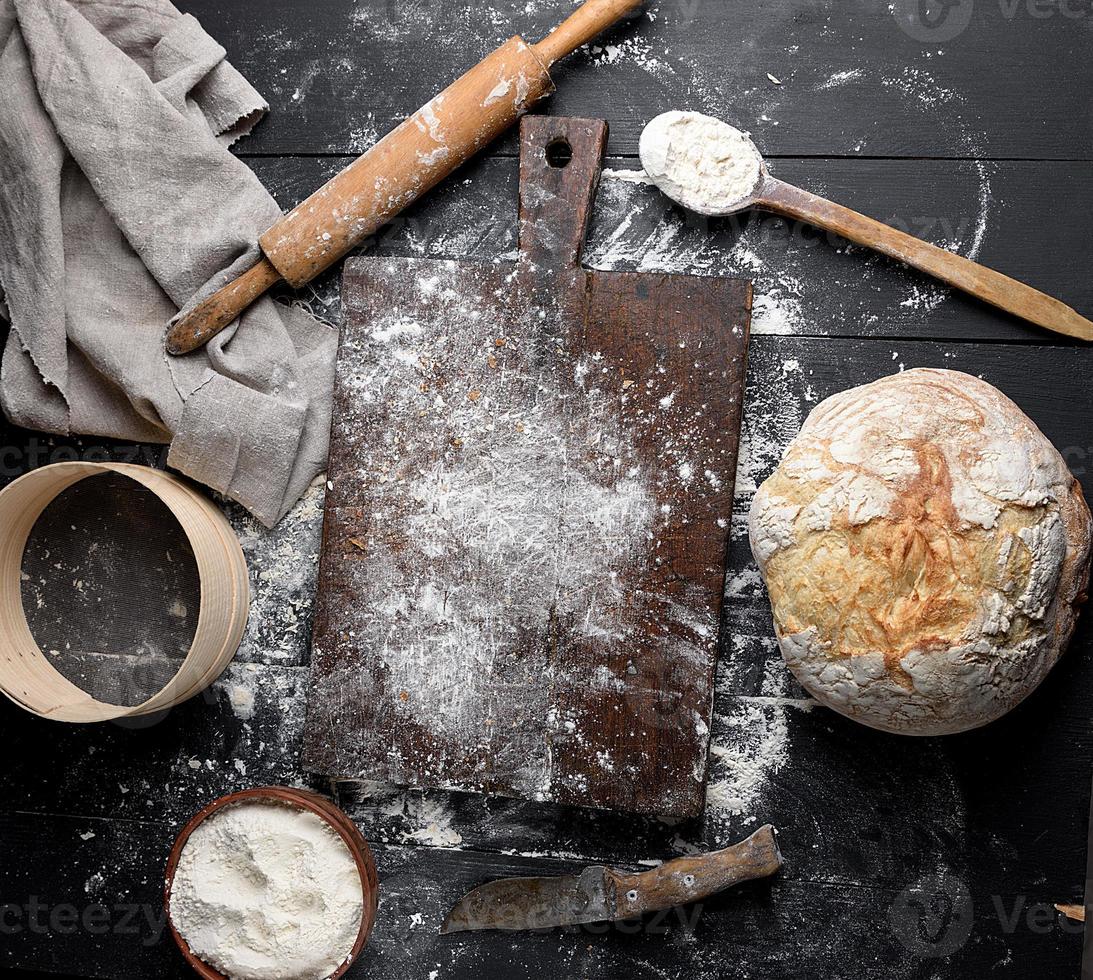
(592, 18)
(986, 284)
(215, 312)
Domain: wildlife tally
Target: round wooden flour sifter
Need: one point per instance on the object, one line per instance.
(26, 674)
(334, 817)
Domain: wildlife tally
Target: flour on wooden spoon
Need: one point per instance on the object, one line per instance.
(703, 163)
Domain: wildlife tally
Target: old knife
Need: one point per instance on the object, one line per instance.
(601, 894)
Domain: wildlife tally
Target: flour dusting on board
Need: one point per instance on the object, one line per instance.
(505, 501)
(503, 515)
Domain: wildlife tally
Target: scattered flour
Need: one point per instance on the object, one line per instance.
(242, 701)
(756, 746)
(283, 563)
(364, 135)
(752, 734)
(509, 522)
(840, 78)
(637, 51)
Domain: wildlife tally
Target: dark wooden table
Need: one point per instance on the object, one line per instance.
(906, 857)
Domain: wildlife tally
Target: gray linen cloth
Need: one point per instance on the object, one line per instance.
(119, 204)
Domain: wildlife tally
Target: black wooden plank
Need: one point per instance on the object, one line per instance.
(243, 731)
(806, 282)
(102, 896)
(987, 803)
(850, 79)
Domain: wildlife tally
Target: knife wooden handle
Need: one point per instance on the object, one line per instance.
(691, 879)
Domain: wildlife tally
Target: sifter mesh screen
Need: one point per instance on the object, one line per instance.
(110, 588)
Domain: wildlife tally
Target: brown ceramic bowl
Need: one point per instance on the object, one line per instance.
(302, 800)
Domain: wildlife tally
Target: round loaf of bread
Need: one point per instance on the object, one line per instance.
(926, 550)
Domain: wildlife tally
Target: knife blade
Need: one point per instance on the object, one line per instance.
(600, 894)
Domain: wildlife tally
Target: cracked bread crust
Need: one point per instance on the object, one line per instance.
(925, 549)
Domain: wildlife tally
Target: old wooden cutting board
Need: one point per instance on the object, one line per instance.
(531, 479)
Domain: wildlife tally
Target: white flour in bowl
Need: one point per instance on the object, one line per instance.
(265, 891)
(701, 162)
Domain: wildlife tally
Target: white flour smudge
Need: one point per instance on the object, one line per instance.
(507, 522)
(751, 742)
(756, 747)
(773, 415)
(840, 78)
(423, 818)
(920, 86)
(922, 89)
(510, 530)
(283, 565)
(628, 176)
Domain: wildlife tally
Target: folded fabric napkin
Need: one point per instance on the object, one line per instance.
(119, 203)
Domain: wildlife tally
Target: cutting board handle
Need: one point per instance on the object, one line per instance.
(560, 163)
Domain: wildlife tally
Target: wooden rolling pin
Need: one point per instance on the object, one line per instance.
(400, 168)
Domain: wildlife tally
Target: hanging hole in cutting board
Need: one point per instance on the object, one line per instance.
(110, 589)
(559, 153)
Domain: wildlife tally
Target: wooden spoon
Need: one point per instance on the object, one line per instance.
(691, 177)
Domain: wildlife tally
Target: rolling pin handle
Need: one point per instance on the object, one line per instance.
(588, 21)
(216, 312)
